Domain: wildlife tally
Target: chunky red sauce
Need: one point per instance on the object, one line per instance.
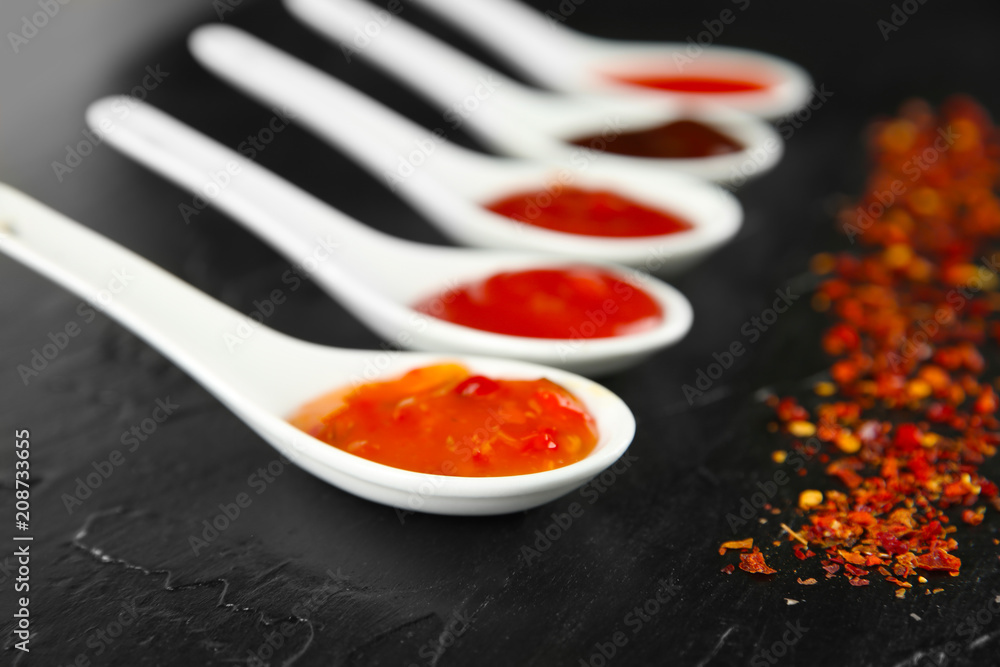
(679, 139)
(443, 420)
(587, 212)
(573, 303)
(693, 84)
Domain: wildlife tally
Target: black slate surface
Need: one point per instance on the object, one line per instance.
(309, 575)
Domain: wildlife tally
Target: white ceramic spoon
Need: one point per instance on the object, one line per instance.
(270, 375)
(555, 56)
(375, 276)
(523, 122)
(450, 185)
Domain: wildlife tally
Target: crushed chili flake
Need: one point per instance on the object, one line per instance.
(856, 571)
(753, 563)
(736, 544)
(729, 569)
(908, 414)
(806, 582)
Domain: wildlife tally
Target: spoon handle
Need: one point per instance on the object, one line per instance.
(538, 45)
(374, 135)
(305, 229)
(184, 323)
(471, 94)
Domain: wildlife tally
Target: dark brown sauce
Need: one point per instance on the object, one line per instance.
(678, 139)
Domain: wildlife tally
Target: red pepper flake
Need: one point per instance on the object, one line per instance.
(852, 558)
(972, 518)
(802, 553)
(938, 559)
(729, 569)
(909, 415)
(754, 563)
(736, 544)
(856, 571)
(806, 582)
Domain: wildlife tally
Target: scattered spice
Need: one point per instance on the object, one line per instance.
(806, 582)
(908, 414)
(736, 544)
(729, 569)
(753, 563)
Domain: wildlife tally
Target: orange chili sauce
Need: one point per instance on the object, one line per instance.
(678, 139)
(588, 213)
(693, 84)
(574, 302)
(443, 420)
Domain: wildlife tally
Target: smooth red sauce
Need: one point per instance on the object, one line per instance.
(679, 139)
(588, 213)
(572, 303)
(443, 420)
(693, 84)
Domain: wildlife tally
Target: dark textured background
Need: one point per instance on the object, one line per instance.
(347, 580)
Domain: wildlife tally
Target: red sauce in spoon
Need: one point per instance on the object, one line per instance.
(444, 420)
(679, 139)
(571, 303)
(588, 213)
(693, 84)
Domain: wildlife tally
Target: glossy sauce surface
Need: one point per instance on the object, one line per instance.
(588, 213)
(574, 303)
(443, 420)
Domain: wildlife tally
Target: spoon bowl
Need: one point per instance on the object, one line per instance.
(376, 276)
(452, 185)
(267, 377)
(562, 59)
(525, 122)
